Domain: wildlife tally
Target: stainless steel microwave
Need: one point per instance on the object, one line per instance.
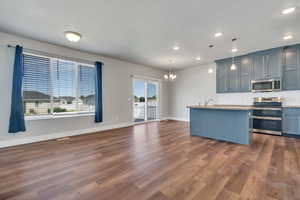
(270, 85)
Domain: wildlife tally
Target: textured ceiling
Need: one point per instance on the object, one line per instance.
(144, 31)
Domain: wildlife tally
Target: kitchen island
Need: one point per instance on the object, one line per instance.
(222, 122)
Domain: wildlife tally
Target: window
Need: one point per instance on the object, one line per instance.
(54, 86)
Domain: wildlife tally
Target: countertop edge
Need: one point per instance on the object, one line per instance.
(234, 107)
(221, 107)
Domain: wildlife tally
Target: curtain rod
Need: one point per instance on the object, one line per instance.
(42, 53)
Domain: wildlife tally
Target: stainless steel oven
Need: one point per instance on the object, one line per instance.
(267, 115)
(269, 85)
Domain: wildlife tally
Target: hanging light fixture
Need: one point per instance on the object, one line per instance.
(170, 76)
(210, 70)
(233, 66)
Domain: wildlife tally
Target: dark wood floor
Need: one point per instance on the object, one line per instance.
(155, 161)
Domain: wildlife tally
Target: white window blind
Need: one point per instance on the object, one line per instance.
(86, 88)
(37, 85)
(53, 86)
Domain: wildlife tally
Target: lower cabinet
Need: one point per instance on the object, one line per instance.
(291, 121)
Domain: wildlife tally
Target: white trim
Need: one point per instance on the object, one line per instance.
(178, 119)
(27, 140)
(57, 116)
(150, 78)
(148, 121)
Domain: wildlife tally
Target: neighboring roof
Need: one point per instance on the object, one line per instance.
(35, 95)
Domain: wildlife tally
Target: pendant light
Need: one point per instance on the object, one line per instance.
(211, 70)
(233, 50)
(170, 76)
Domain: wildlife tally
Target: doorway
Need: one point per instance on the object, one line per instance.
(145, 100)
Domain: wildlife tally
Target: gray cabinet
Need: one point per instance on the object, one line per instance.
(233, 78)
(259, 69)
(227, 80)
(291, 68)
(267, 64)
(282, 63)
(221, 77)
(291, 121)
(245, 69)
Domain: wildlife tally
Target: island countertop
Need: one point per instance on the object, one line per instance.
(234, 107)
(222, 107)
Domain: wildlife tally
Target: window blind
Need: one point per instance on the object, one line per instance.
(55, 86)
(36, 85)
(86, 88)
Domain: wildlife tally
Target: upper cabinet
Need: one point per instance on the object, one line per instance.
(277, 63)
(267, 64)
(234, 80)
(233, 83)
(222, 77)
(245, 68)
(291, 68)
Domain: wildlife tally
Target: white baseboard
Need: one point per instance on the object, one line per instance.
(27, 140)
(179, 119)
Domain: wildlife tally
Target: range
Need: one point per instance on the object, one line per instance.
(267, 115)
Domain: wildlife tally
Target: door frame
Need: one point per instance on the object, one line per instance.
(147, 80)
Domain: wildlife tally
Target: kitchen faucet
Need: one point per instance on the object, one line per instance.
(207, 101)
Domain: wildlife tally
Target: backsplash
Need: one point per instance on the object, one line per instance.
(290, 98)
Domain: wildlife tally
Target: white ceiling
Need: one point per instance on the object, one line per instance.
(144, 31)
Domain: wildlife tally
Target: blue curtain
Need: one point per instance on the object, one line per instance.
(98, 93)
(17, 122)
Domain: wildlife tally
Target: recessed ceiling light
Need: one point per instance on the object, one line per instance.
(219, 34)
(198, 58)
(72, 36)
(288, 37)
(176, 47)
(233, 50)
(210, 70)
(288, 10)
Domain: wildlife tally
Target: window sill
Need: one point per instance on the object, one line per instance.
(61, 116)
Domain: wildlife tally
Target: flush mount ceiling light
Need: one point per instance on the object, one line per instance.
(288, 10)
(288, 37)
(219, 34)
(198, 58)
(72, 36)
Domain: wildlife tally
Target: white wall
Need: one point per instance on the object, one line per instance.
(195, 85)
(117, 90)
(192, 86)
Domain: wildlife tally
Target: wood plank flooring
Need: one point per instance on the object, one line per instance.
(154, 161)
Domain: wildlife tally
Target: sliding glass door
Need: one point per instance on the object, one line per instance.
(146, 100)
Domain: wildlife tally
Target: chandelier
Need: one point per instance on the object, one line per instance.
(170, 76)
